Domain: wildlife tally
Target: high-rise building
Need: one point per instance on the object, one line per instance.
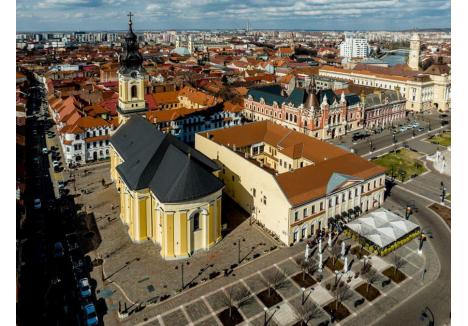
(354, 47)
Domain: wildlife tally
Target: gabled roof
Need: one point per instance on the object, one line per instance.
(336, 180)
(172, 170)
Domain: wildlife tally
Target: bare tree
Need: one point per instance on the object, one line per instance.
(335, 251)
(398, 263)
(370, 275)
(306, 265)
(236, 296)
(342, 292)
(273, 279)
(307, 312)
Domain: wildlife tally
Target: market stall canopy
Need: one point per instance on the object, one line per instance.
(382, 227)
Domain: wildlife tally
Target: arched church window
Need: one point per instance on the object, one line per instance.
(134, 91)
(196, 221)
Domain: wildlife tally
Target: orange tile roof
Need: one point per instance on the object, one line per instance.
(72, 118)
(74, 129)
(197, 96)
(166, 97)
(170, 115)
(91, 122)
(370, 73)
(303, 184)
(97, 138)
(232, 107)
(299, 189)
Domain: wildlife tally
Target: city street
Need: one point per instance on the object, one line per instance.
(47, 289)
(384, 141)
(436, 295)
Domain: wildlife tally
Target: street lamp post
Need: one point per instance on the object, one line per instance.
(336, 277)
(239, 249)
(182, 273)
(303, 295)
(265, 309)
(443, 190)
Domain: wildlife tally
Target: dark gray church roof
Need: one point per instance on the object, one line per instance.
(172, 170)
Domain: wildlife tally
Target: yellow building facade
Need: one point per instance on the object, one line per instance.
(183, 215)
(291, 183)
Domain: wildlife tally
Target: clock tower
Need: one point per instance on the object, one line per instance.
(132, 78)
(415, 45)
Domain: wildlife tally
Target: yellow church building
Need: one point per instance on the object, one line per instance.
(169, 193)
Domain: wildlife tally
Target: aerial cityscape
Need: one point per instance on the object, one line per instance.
(258, 170)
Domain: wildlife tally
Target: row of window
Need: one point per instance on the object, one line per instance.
(95, 133)
(305, 211)
(95, 144)
(341, 198)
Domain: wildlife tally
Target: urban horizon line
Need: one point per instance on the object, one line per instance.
(435, 29)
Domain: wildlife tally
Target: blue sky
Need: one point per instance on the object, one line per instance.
(35, 15)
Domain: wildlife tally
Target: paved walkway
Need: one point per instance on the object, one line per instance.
(201, 304)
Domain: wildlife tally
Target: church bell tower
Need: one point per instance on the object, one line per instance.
(132, 78)
(415, 45)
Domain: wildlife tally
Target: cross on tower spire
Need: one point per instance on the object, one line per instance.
(130, 17)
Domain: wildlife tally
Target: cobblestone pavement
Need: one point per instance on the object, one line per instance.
(136, 273)
(203, 304)
(129, 281)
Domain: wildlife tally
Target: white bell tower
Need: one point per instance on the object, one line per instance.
(415, 45)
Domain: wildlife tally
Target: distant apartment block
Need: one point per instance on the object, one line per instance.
(354, 48)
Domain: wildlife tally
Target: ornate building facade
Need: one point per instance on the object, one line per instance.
(383, 108)
(323, 114)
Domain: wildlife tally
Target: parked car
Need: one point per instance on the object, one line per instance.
(55, 163)
(61, 184)
(45, 150)
(85, 289)
(91, 315)
(37, 203)
(58, 250)
(360, 135)
(402, 129)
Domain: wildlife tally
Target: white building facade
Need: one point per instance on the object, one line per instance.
(354, 48)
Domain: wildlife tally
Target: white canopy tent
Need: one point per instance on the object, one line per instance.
(382, 227)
